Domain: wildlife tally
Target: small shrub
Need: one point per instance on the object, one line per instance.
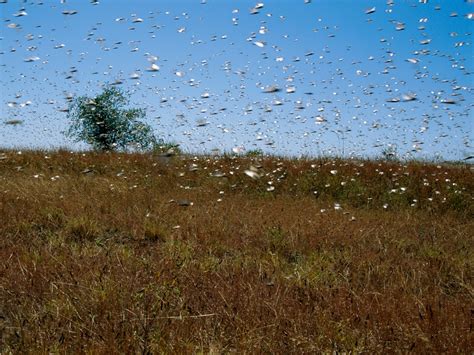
(162, 147)
(254, 153)
(389, 153)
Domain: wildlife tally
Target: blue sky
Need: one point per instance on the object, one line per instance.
(342, 63)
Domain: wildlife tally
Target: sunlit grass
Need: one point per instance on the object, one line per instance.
(99, 253)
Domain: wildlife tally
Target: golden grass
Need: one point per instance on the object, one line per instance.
(126, 253)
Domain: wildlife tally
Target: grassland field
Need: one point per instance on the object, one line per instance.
(137, 253)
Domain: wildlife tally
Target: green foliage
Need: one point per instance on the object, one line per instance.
(106, 124)
(254, 153)
(162, 147)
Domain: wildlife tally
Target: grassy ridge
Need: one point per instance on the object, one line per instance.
(126, 253)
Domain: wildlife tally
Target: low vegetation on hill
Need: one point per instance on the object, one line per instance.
(126, 253)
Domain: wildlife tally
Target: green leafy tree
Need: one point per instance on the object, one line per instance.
(105, 123)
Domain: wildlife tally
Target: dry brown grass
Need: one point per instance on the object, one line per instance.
(95, 258)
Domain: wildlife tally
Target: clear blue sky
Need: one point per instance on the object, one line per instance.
(344, 64)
